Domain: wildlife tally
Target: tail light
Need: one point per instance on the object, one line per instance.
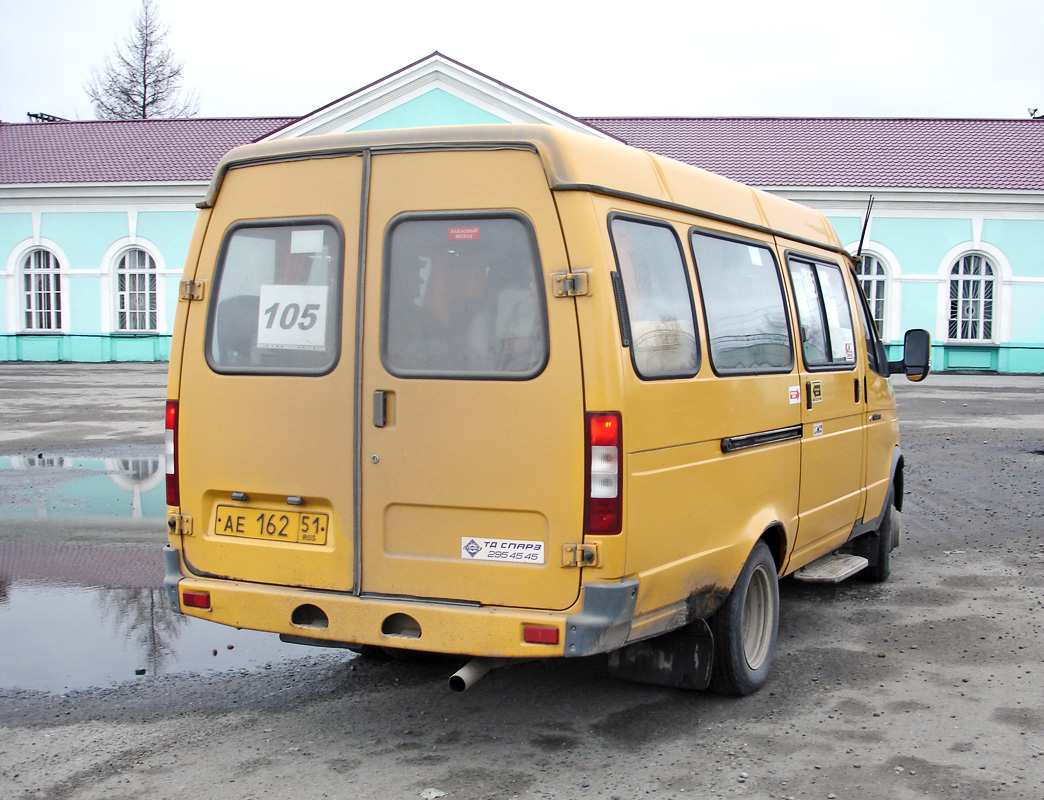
(604, 503)
(171, 452)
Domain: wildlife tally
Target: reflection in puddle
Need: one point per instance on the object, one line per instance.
(120, 490)
(81, 574)
(74, 638)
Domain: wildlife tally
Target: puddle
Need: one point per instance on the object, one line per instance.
(65, 638)
(92, 492)
(81, 575)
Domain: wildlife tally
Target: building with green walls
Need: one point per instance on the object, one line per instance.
(95, 217)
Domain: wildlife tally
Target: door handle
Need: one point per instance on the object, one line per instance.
(380, 408)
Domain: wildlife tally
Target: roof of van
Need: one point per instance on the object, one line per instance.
(572, 161)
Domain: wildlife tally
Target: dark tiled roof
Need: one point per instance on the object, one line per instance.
(134, 151)
(964, 154)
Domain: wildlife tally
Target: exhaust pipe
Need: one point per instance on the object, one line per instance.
(472, 672)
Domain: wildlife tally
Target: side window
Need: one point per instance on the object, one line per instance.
(827, 335)
(463, 298)
(658, 298)
(743, 303)
(276, 305)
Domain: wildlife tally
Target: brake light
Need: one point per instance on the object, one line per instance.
(171, 453)
(604, 502)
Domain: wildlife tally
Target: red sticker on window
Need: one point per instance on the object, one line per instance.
(463, 234)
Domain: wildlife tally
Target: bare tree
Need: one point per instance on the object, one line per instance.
(143, 80)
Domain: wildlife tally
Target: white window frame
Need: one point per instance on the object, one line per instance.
(875, 287)
(977, 308)
(891, 324)
(147, 278)
(1001, 293)
(110, 286)
(19, 257)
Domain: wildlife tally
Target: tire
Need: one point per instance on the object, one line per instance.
(887, 539)
(745, 627)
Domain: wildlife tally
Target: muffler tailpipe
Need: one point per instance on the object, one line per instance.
(472, 672)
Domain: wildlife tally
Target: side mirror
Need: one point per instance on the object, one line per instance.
(917, 356)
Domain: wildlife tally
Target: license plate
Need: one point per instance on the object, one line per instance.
(303, 527)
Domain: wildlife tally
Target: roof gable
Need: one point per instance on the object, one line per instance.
(435, 90)
(434, 108)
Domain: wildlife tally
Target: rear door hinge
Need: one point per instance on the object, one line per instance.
(580, 555)
(180, 524)
(191, 289)
(569, 284)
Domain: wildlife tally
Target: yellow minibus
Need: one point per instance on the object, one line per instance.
(512, 392)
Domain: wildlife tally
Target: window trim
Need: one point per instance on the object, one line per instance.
(847, 366)
(108, 300)
(884, 281)
(540, 280)
(336, 290)
(728, 237)
(995, 282)
(876, 356)
(154, 271)
(61, 291)
(626, 330)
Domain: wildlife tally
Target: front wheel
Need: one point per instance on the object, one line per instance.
(887, 539)
(745, 627)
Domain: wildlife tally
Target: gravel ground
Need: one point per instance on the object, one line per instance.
(927, 686)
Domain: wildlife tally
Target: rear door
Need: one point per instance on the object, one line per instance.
(472, 428)
(265, 402)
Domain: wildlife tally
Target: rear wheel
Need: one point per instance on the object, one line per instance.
(745, 627)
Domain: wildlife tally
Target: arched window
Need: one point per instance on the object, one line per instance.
(873, 277)
(42, 291)
(972, 280)
(136, 298)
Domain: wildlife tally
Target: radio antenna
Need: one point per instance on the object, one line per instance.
(866, 224)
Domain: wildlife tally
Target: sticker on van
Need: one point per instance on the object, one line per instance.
(519, 551)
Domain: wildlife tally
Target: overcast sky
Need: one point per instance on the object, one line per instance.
(908, 58)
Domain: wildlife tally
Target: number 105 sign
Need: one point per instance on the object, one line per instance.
(292, 317)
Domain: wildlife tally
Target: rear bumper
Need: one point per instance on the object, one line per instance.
(599, 622)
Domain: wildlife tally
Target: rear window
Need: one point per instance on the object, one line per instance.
(276, 306)
(463, 298)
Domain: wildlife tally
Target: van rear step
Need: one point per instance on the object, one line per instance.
(832, 568)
